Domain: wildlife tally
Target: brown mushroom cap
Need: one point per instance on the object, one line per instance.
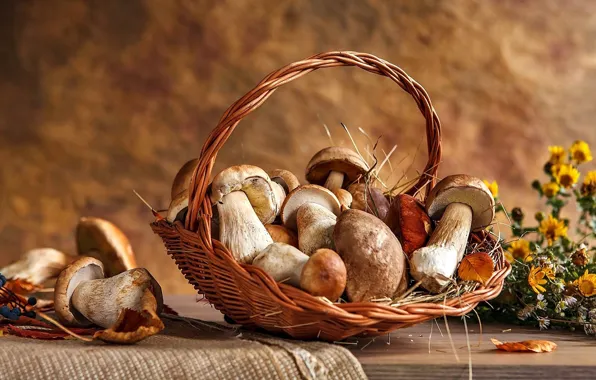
(254, 182)
(344, 197)
(369, 199)
(307, 194)
(281, 234)
(337, 159)
(324, 275)
(372, 254)
(178, 204)
(462, 188)
(285, 178)
(182, 179)
(82, 270)
(101, 239)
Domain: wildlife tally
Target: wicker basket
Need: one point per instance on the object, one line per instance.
(249, 295)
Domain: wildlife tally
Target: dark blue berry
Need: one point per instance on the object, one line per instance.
(2, 280)
(4, 311)
(17, 311)
(30, 314)
(32, 301)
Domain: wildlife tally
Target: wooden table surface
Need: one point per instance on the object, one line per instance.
(425, 351)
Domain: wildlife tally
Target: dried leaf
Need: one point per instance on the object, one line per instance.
(43, 333)
(476, 267)
(21, 286)
(525, 346)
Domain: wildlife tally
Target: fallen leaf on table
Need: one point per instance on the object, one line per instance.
(476, 267)
(525, 346)
(22, 287)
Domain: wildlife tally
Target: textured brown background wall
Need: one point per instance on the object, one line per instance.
(103, 96)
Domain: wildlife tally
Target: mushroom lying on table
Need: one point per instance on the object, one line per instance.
(127, 304)
(335, 167)
(245, 202)
(373, 256)
(311, 210)
(104, 241)
(461, 203)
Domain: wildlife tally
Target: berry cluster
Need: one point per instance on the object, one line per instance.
(12, 306)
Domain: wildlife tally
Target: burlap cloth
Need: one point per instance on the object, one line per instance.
(194, 350)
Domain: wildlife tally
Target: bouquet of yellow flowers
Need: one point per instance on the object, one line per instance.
(553, 277)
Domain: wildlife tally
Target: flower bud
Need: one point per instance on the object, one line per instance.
(517, 214)
(539, 216)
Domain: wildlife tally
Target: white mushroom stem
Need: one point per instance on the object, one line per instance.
(282, 262)
(315, 228)
(335, 180)
(280, 195)
(101, 301)
(239, 227)
(434, 264)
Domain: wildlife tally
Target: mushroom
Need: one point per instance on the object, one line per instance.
(324, 275)
(344, 197)
(102, 240)
(37, 266)
(373, 256)
(462, 203)
(315, 227)
(178, 208)
(285, 178)
(282, 262)
(182, 179)
(245, 202)
(281, 234)
(369, 199)
(409, 222)
(312, 210)
(335, 167)
(84, 296)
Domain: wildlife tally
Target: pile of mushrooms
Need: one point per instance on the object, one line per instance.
(101, 285)
(337, 236)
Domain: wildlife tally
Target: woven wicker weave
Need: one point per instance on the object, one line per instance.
(252, 297)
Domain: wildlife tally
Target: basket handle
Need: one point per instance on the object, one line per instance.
(257, 96)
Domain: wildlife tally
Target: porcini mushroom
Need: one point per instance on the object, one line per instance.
(37, 266)
(84, 297)
(462, 203)
(315, 227)
(281, 234)
(282, 262)
(334, 167)
(99, 238)
(370, 199)
(409, 222)
(245, 202)
(344, 197)
(285, 178)
(182, 179)
(324, 275)
(178, 208)
(307, 194)
(373, 256)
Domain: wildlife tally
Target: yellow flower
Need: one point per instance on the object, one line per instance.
(520, 249)
(536, 279)
(552, 229)
(493, 187)
(566, 175)
(586, 284)
(557, 154)
(589, 185)
(551, 189)
(548, 272)
(580, 152)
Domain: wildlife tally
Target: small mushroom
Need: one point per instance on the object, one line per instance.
(245, 202)
(182, 179)
(101, 239)
(462, 203)
(178, 208)
(285, 178)
(409, 222)
(324, 275)
(282, 262)
(373, 256)
(344, 197)
(307, 194)
(281, 234)
(315, 227)
(84, 296)
(335, 167)
(369, 199)
(37, 266)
